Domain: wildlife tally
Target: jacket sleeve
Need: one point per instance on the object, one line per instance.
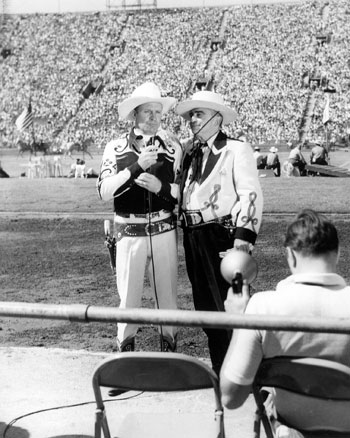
(111, 183)
(248, 209)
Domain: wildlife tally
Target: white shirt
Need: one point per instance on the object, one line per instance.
(303, 295)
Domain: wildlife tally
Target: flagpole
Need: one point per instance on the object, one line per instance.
(33, 132)
(325, 120)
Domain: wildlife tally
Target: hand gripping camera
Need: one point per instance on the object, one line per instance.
(238, 266)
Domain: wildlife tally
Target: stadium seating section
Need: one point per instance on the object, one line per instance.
(259, 67)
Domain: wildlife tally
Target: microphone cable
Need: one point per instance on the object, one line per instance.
(149, 200)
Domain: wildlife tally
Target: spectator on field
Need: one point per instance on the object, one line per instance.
(319, 154)
(57, 166)
(312, 290)
(80, 169)
(296, 158)
(273, 161)
(259, 158)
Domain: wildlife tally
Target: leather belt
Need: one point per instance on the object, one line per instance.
(151, 215)
(192, 219)
(149, 229)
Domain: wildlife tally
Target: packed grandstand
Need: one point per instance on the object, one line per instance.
(275, 63)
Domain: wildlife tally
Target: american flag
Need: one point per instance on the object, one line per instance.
(25, 119)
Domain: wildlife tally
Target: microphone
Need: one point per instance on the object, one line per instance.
(152, 142)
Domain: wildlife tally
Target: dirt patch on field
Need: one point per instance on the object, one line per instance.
(63, 260)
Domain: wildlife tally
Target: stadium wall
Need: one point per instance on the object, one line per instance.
(64, 6)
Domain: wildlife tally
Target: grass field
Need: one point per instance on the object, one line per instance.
(52, 251)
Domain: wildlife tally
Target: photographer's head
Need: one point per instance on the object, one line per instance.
(312, 243)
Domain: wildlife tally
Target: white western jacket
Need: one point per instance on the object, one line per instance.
(229, 186)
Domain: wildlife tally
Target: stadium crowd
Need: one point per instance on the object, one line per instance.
(258, 69)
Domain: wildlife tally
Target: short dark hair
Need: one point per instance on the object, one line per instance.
(312, 233)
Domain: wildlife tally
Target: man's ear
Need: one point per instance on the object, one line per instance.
(219, 120)
(338, 255)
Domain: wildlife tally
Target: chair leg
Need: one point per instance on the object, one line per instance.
(261, 417)
(101, 424)
(98, 423)
(105, 427)
(267, 425)
(257, 423)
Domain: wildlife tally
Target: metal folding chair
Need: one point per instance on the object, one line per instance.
(315, 379)
(158, 372)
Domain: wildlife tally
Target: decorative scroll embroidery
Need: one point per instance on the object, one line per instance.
(251, 212)
(212, 200)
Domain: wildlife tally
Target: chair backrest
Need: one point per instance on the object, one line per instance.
(155, 372)
(318, 378)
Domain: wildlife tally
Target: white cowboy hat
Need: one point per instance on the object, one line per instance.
(145, 93)
(206, 99)
(273, 149)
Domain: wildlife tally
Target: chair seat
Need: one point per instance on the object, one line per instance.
(168, 425)
(310, 413)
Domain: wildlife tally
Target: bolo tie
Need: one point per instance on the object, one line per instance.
(197, 162)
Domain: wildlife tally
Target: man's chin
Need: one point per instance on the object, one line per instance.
(149, 130)
(195, 129)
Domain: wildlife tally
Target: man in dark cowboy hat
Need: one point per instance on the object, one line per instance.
(221, 205)
(138, 173)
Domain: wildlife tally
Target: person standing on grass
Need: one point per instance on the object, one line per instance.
(259, 158)
(296, 159)
(139, 172)
(319, 154)
(273, 161)
(221, 205)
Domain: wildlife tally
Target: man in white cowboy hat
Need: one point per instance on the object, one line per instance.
(138, 172)
(273, 161)
(220, 204)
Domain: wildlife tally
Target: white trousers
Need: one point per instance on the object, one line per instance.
(134, 254)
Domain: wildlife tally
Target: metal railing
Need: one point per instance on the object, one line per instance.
(86, 314)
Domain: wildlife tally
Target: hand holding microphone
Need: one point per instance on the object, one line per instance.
(148, 157)
(149, 182)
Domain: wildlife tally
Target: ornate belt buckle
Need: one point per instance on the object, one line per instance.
(149, 229)
(196, 218)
